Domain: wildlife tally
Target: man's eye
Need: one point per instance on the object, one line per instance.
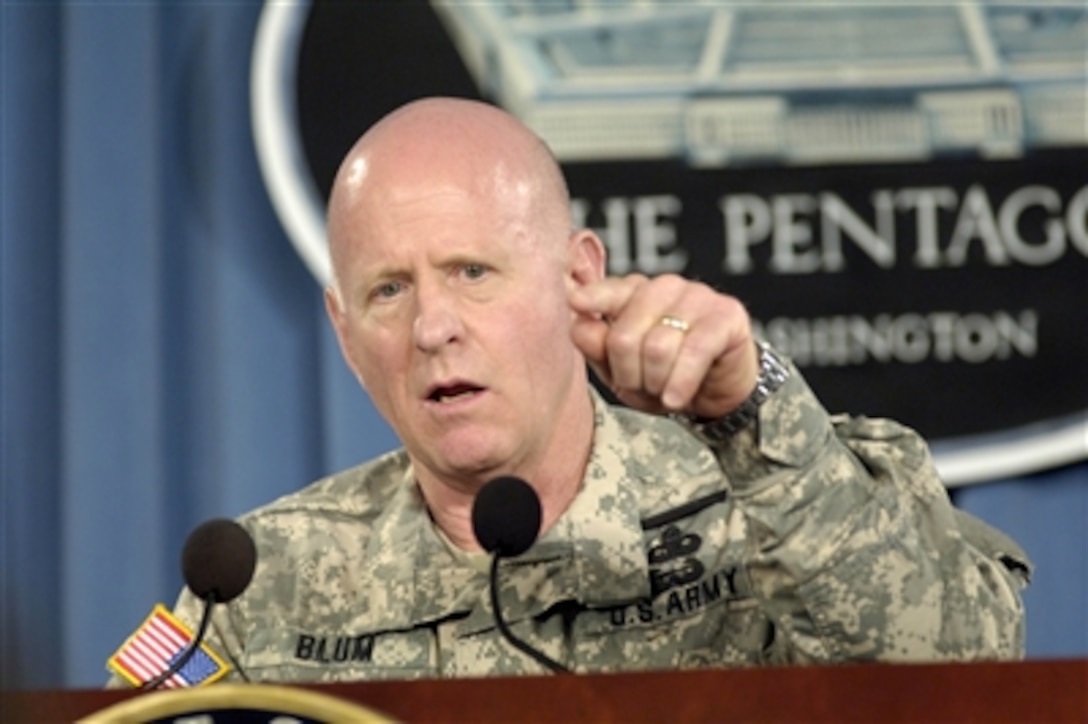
(474, 271)
(388, 290)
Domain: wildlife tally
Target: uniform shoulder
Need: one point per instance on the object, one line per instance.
(652, 436)
(671, 464)
(360, 492)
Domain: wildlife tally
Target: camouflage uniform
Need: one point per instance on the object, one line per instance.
(807, 538)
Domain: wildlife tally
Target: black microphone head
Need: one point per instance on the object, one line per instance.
(506, 516)
(218, 559)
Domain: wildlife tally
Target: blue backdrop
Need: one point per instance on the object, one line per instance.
(164, 355)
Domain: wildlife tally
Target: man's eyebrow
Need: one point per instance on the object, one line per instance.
(460, 258)
(380, 272)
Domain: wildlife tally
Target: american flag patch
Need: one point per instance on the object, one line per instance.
(159, 641)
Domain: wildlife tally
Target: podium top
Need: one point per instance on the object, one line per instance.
(1052, 691)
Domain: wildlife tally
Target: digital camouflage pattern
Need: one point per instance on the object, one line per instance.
(806, 539)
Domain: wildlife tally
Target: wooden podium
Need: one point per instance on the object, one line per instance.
(1034, 691)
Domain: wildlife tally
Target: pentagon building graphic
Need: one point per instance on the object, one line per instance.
(721, 82)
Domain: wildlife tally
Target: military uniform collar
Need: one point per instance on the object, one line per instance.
(594, 553)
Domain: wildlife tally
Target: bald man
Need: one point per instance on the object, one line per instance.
(719, 517)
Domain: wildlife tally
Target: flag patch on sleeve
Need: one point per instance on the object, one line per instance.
(155, 645)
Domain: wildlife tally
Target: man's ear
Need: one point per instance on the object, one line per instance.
(587, 257)
(334, 308)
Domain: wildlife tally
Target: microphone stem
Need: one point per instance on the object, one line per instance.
(517, 643)
(188, 653)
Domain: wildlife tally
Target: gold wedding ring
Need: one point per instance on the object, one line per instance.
(675, 322)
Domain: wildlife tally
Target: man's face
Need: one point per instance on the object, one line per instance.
(453, 315)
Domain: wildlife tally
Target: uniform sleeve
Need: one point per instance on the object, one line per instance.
(854, 548)
(220, 635)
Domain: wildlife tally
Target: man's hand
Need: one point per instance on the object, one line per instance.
(667, 344)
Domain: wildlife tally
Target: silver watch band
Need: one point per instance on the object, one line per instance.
(773, 373)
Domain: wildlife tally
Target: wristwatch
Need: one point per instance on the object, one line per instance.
(773, 373)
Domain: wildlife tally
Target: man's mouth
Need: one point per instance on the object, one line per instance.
(452, 393)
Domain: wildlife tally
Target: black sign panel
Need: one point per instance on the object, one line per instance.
(943, 286)
(951, 295)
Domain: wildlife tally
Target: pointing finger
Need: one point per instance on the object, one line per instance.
(605, 298)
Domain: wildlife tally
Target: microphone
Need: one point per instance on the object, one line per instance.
(506, 518)
(217, 563)
(218, 560)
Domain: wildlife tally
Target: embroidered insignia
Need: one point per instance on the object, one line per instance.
(155, 645)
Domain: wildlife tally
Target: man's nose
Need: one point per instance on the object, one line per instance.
(437, 321)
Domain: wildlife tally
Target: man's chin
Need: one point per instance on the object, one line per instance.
(469, 463)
